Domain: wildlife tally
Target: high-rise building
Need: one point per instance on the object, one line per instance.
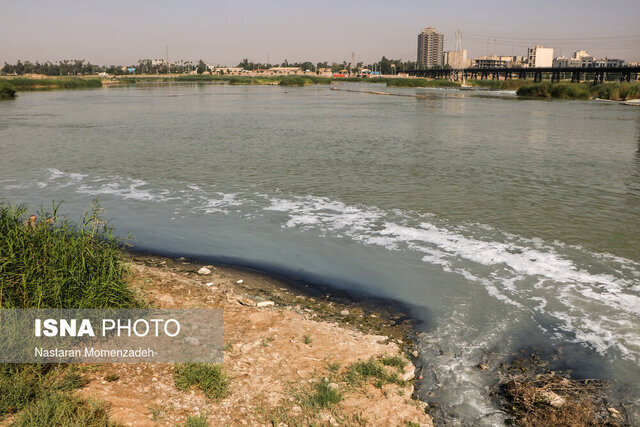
(430, 48)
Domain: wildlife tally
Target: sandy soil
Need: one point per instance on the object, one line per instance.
(267, 358)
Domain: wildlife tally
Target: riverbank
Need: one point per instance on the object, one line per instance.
(284, 351)
(290, 357)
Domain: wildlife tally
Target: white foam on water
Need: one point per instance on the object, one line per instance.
(582, 292)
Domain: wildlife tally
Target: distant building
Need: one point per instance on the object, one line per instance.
(457, 59)
(495, 61)
(430, 48)
(608, 62)
(540, 56)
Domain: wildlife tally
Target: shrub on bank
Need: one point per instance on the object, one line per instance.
(49, 263)
(7, 90)
(555, 90)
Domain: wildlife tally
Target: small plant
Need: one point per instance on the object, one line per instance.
(362, 371)
(333, 367)
(395, 361)
(111, 377)
(197, 421)
(307, 339)
(322, 395)
(267, 341)
(211, 379)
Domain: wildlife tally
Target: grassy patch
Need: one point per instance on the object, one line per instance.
(510, 84)
(399, 82)
(321, 395)
(46, 262)
(49, 263)
(25, 83)
(556, 90)
(395, 361)
(7, 90)
(307, 339)
(211, 379)
(374, 370)
(197, 421)
(61, 409)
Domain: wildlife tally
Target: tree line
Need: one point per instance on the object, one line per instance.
(77, 67)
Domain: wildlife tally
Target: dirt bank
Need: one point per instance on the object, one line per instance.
(276, 356)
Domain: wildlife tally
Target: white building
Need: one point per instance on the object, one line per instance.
(540, 56)
(456, 60)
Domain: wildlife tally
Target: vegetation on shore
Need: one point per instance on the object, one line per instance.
(565, 90)
(7, 90)
(404, 82)
(25, 83)
(46, 262)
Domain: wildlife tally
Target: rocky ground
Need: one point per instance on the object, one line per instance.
(280, 343)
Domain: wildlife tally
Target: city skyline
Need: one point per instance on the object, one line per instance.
(224, 33)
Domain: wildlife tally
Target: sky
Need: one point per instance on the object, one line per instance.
(225, 32)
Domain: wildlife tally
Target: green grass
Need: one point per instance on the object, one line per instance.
(555, 90)
(510, 84)
(25, 83)
(617, 91)
(61, 409)
(320, 396)
(209, 378)
(50, 263)
(401, 82)
(197, 421)
(363, 371)
(22, 384)
(7, 90)
(396, 361)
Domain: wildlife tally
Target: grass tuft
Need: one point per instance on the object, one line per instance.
(197, 421)
(61, 409)
(361, 372)
(322, 395)
(209, 378)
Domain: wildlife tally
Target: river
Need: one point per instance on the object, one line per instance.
(501, 222)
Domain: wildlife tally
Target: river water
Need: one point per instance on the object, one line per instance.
(502, 223)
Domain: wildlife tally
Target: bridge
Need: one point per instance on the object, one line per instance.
(576, 74)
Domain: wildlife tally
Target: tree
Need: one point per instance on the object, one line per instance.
(202, 67)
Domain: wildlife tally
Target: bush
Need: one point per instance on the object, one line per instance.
(48, 263)
(7, 90)
(211, 379)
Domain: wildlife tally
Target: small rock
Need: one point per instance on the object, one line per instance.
(240, 281)
(410, 373)
(209, 283)
(344, 312)
(332, 386)
(415, 353)
(296, 408)
(265, 304)
(613, 412)
(482, 366)
(204, 271)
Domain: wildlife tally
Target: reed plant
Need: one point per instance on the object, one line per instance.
(47, 262)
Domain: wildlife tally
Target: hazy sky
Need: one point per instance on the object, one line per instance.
(121, 32)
